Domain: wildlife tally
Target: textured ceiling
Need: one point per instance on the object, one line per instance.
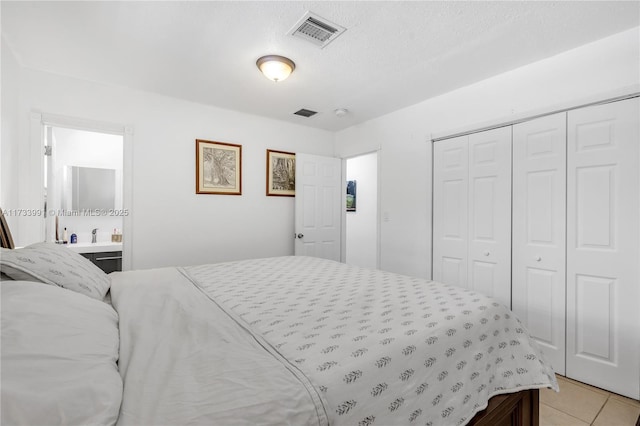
(392, 55)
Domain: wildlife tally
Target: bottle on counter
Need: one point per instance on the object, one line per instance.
(64, 236)
(74, 239)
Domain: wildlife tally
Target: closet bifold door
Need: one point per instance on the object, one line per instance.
(450, 212)
(538, 232)
(603, 214)
(472, 212)
(490, 213)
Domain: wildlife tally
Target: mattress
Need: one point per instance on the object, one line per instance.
(301, 340)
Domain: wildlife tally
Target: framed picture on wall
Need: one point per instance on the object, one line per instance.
(281, 173)
(351, 195)
(218, 168)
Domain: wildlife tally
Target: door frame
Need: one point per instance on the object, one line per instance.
(343, 231)
(34, 186)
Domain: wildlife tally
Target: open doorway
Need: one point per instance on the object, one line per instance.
(361, 239)
(83, 193)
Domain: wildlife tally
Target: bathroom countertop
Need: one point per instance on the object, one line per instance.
(95, 247)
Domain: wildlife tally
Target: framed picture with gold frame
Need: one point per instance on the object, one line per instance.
(218, 168)
(281, 173)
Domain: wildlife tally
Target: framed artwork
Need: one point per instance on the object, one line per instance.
(281, 173)
(351, 195)
(218, 168)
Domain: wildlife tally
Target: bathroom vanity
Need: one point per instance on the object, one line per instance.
(106, 256)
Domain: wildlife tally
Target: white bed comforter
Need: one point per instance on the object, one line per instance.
(185, 362)
(298, 340)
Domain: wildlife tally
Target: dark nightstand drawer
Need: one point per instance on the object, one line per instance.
(108, 261)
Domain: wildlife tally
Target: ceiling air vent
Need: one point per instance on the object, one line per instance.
(305, 112)
(316, 30)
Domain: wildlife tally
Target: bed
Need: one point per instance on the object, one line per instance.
(284, 340)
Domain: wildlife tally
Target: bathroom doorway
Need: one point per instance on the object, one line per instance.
(362, 222)
(83, 185)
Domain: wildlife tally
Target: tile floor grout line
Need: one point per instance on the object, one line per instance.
(564, 412)
(600, 411)
(608, 397)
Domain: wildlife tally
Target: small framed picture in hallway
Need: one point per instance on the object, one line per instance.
(351, 195)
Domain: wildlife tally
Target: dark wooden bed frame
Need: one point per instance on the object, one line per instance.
(6, 241)
(512, 409)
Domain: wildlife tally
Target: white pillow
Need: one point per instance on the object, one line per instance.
(59, 354)
(55, 264)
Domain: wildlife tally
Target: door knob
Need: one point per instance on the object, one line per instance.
(486, 253)
(300, 235)
(538, 258)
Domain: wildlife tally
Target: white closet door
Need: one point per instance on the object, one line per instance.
(603, 282)
(538, 242)
(450, 189)
(490, 213)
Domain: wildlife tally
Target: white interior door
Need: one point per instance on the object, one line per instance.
(319, 204)
(603, 282)
(538, 232)
(490, 213)
(450, 212)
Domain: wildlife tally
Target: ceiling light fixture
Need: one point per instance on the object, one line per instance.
(276, 68)
(341, 112)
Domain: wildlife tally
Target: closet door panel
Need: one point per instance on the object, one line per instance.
(539, 215)
(490, 213)
(450, 193)
(603, 229)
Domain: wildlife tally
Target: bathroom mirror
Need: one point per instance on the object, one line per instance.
(89, 188)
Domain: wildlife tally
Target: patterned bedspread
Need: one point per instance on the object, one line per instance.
(379, 348)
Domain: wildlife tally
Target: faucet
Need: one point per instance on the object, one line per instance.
(94, 235)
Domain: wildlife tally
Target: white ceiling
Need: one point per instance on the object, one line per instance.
(393, 54)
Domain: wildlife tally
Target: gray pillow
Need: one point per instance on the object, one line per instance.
(57, 265)
(59, 354)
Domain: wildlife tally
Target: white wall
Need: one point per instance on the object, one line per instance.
(362, 224)
(171, 224)
(10, 92)
(404, 136)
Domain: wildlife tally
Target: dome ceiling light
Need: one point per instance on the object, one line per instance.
(276, 68)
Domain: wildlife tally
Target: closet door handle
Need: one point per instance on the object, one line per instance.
(538, 258)
(487, 253)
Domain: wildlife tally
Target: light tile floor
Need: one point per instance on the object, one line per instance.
(578, 404)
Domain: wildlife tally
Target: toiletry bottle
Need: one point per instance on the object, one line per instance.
(74, 238)
(64, 236)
